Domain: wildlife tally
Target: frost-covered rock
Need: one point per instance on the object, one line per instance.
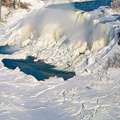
(115, 5)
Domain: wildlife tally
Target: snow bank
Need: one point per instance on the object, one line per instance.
(65, 1)
(5, 11)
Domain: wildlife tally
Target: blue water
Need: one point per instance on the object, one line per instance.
(92, 5)
(85, 6)
(39, 69)
(8, 49)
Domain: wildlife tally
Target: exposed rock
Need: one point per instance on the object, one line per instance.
(118, 42)
(115, 5)
(11, 4)
(114, 62)
(118, 38)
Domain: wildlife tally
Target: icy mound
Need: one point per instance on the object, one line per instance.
(62, 36)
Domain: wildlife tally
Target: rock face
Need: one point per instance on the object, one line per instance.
(115, 5)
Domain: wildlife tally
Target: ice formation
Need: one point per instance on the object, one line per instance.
(61, 36)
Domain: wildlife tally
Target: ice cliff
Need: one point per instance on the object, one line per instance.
(63, 36)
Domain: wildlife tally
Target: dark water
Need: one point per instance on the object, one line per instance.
(85, 5)
(39, 69)
(8, 49)
(92, 5)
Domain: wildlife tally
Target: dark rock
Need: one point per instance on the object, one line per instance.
(118, 38)
(119, 43)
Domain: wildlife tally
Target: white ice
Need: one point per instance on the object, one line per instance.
(85, 42)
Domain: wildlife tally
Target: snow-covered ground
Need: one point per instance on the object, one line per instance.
(86, 43)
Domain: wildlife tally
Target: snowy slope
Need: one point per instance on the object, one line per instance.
(87, 42)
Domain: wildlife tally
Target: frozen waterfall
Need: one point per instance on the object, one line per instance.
(62, 36)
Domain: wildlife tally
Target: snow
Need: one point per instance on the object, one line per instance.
(62, 37)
